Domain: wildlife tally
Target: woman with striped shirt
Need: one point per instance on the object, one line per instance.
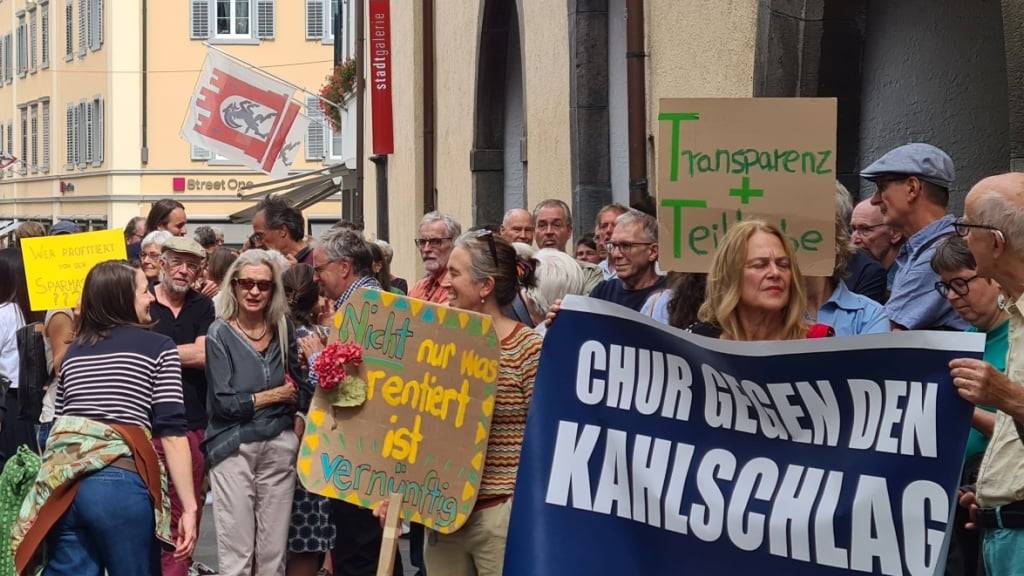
(118, 384)
(484, 275)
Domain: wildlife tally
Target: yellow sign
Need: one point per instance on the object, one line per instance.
(430, 373)
(56, 266)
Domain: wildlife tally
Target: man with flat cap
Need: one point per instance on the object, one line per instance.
(912, 191)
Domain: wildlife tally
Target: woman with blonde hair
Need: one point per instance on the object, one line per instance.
(255, 383)
(754, 289)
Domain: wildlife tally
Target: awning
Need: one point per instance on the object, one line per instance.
(300, 190)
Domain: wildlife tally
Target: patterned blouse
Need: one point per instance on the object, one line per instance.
(517, 370)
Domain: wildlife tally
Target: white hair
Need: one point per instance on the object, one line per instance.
(282, 261)
(648, 223)
(557, 274)
(524, 251)
(453, 227)
(157, 237)
(995, 209)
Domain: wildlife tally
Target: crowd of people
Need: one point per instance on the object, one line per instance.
(196, 358)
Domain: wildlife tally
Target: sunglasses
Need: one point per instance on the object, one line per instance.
(478, 234)
(247, 284)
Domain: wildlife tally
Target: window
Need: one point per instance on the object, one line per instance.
(33, 40)
(44, 34)
(46, 135)
(22, 47)
(69, 28)
(315, 132)
(233, 18)
(321, 18)
(95, 117)
(33, 159)
(95, 24)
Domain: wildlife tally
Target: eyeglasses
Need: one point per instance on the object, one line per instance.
(431, 242)
(490, 242)
(959, 285)
(962, 228)
(625, 246)
(192, 267)
(319, 270)
(149, 256)
(864, 229)
(247, 284)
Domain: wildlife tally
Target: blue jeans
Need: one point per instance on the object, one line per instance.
(1004, 551)
(109, 527)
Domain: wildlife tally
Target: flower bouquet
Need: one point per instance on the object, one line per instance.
(345, 390)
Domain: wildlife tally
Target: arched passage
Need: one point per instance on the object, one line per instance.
(497, 160)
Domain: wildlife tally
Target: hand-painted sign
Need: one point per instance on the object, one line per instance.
(724, 160)
(653, 451)
(430, 379)
(56, 266)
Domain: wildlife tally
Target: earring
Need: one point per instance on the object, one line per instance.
(482, 301)
(1001, 302)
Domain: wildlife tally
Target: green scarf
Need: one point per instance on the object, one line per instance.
(17, 478)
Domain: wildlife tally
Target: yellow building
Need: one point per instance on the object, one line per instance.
(94, 92)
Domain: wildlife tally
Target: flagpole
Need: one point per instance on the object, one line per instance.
(275, 77)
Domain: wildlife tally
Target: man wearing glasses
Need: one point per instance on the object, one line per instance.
(870, 233)
(435, 242)
(633, 250)
(184, 315)
(912, 192)
(992, 228)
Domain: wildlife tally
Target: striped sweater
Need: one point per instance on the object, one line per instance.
(517, 370)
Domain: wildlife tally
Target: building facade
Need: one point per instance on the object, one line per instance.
(94, 92)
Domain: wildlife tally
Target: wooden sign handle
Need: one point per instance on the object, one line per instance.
(392, 527)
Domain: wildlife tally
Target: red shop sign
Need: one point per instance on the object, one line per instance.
(380, 77)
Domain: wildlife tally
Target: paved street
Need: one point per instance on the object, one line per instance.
(206, 549)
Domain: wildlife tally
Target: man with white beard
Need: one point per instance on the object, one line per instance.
(184, 315)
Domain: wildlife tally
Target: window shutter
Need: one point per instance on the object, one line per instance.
(34, 151)
(70, 134)
(315, 130)
(44, 31)
(8, 59)
(24, 140)
(200, 19)
(265, 16)
(69, 29)
(32, 39)
(83, 26)
(3, 63)
(10, 137)
(200, 153)
(80, 135)
(46, 136)
(314, 19)
(90, 133)
(95, 24)
(99, 130)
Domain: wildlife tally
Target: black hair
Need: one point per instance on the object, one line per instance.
(13, 283)
(278, 213)
(384, 275)
(302, 294)
(160, 213)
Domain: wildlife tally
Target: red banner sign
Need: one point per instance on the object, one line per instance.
(380, 76)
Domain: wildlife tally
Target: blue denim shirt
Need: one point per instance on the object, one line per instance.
(850, 314)
(914, 303)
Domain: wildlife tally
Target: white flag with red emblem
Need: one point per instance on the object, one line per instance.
(244, 116)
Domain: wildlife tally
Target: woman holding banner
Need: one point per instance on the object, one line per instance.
(754, 289)
(482, 277)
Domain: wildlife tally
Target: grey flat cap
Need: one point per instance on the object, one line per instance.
(922, 160)
(183, 245)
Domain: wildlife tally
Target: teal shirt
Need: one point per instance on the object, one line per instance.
(997, 344)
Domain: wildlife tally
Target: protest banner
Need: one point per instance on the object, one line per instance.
(651, 451)
(723, 160)
(430, 379)
(56, 266)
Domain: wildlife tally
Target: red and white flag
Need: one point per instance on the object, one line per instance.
(245, 116)
(7, 160)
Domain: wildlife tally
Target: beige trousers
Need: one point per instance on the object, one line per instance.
(252, 506)
(476, 549)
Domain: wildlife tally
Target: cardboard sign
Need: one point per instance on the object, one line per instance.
(722, 160)
(431, 376)
(56, 266)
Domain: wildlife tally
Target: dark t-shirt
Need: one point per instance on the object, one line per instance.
(615, 291)
(193, 321)
(305, 256)
(866, 276)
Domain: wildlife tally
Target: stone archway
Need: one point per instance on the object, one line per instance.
(497, 160)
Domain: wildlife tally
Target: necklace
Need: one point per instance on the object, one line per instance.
(246, 333)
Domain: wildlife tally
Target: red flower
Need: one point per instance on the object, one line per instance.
(330, 364)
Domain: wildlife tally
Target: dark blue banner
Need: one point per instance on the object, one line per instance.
(649, 451)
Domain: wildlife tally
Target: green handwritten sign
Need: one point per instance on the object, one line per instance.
(725, 160)
(430, 374)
